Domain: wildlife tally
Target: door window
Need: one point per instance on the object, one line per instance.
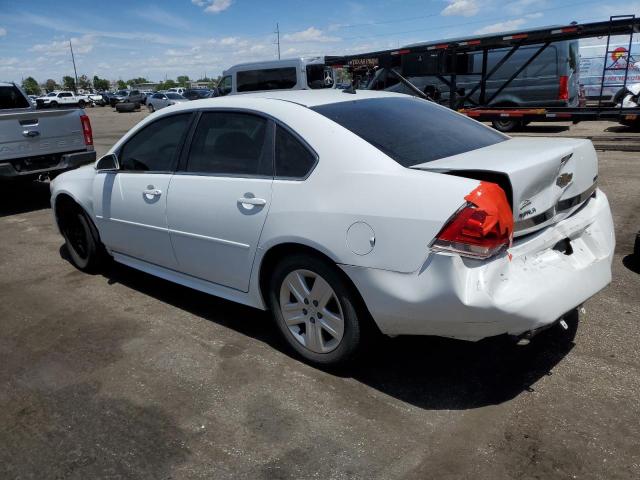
(267, 79)
(293, 159)
(156, 146)
(230, 143)
(224, 87)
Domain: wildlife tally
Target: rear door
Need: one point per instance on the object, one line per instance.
(130, 204)
(218, 202)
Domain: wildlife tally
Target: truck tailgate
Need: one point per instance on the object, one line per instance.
(29, 134)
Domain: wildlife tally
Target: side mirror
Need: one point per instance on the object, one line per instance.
(108, 163)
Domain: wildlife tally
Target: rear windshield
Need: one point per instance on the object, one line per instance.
(410, 130)
(10, 98)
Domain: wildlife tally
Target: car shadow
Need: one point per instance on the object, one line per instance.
(23, 196)
(427, 372)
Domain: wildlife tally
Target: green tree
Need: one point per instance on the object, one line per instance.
(68, 83)
(30, 85)
(137, 81)
(121, 84)
(50, 85)
(100, 83)
(84, 82)
(183, 80)
(167, 84)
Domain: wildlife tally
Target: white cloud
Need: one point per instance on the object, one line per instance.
(311, 34)
(228, 41)
(154, 14)
(463, 8)
(520, 6)
(213, 6)
(81, 46)
(3, 31)
(501, 26)
(532, 16)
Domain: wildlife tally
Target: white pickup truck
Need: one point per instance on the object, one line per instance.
(55, 99)
(37, 143)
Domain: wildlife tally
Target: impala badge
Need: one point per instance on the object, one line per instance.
(524, 204)
(564, 179)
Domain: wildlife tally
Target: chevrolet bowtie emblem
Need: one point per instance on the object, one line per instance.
(564, 179)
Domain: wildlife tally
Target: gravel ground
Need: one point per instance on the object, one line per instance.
(122, 375)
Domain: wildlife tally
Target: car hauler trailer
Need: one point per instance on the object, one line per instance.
(446, 61)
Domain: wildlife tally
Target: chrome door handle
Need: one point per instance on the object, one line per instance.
(252, 201)
(30, 133)
(154, 192)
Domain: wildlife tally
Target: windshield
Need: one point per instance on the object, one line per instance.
(51, 94)
(10, 98)
(122, 92)
(410, 130)
(174, 96)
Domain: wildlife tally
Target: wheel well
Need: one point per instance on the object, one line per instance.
(64, 205)
(278, 252)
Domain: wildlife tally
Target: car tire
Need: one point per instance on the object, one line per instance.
(125, 107)
(150, 108)
(81, 104)
(54, 104)
(328, 332)
(82, 241)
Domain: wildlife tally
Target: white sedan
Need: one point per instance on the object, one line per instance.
(345, 213)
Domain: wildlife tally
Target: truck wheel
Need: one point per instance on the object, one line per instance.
(54, 104)
(81, 104)
(506, 125)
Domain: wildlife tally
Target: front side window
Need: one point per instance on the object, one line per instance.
(267, 79)
(230, 143)
(319, 76)
(224, 87)
(293, 159)
(410, 130)
(155, 147)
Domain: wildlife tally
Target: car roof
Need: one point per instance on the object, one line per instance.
(313, 98)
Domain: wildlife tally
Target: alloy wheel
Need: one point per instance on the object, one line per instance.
(311, 311)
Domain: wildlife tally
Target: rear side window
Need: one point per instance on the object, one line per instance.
(410, 130)
(229, 143)
(155, 147)
(267, 79)
(293, 159)
(10, 98)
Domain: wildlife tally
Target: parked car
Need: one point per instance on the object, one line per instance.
(178, 90)
(551, 80)
(196, 93)
(40, 143)
(455, 229)
(293, 74)
(64, 98)
(161, 100)
(126, 96)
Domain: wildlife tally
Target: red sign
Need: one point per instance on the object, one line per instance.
(618, 53)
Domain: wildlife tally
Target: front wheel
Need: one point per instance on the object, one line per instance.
(315, 309)
(81, 104)
(54, 104)
(150, 108)
(81, 239)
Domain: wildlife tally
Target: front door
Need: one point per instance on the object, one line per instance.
(218, 203)
(131, 203)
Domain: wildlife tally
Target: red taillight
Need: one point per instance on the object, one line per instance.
(86, 129)
(563, 90)
(482, 227)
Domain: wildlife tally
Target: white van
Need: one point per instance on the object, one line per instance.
(292, 74)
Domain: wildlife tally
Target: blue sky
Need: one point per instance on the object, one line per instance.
(125, 39)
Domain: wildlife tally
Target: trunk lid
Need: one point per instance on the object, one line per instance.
(546, 179)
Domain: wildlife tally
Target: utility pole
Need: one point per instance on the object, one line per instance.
(75, 72)
(277, 32)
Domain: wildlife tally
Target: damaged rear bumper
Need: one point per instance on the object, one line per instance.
(549, 273)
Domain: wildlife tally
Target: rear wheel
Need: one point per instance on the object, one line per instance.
(81, 104)
(315, 309)
(150, 107)
(81, 239)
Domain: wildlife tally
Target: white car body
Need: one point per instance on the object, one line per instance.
(161, 100)
(375, 219)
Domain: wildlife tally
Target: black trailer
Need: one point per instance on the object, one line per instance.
(446, 60)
